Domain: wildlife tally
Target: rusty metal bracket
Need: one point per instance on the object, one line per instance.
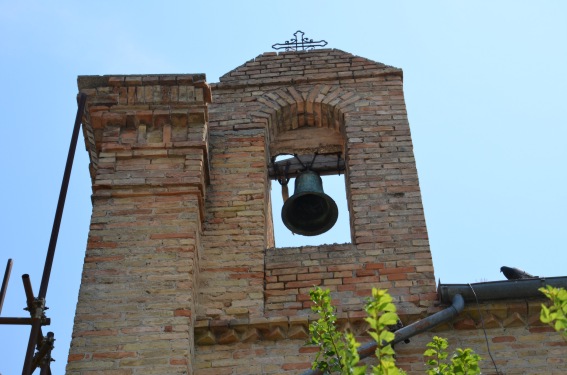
(42, 358)
(282, 176)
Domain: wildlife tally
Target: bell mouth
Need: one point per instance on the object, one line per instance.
(309, 213)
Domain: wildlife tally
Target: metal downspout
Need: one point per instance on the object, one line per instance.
(458, 304)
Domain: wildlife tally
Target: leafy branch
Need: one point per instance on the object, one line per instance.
(338, 352)
(381, 315)
(463, 361)
(556, 314)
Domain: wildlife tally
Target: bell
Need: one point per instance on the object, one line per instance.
(309, 211)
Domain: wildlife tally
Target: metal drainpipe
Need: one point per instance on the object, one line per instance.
(413, 329)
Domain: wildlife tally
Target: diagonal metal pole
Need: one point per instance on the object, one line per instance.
(40, 306)
(5, 282)
(62, 196)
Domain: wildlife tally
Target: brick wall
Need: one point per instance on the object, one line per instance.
(147, 141)
(350, 273)
(181, 275)
(319, 101)
(518, 342)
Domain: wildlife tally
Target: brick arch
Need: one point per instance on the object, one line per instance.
(314, 111)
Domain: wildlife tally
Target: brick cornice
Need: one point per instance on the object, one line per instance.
(505, 314)
(132, 121)
(115, 86)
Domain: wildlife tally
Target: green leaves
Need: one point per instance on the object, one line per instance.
(437, 353)
(381, 314)
(351, 357)
(337, 352)
(388, 319)
(556, 314)
(463, 362)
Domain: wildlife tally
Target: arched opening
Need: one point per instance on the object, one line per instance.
(298, 145)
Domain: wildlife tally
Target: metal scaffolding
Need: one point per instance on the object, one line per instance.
(38, 353)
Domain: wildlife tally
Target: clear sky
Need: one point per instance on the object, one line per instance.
(485, 85)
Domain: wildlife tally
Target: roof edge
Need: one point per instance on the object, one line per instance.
(300, 67)
(500, 290)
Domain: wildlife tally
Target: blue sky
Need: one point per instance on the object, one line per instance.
(485, 86)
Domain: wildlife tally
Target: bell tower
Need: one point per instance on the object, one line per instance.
(181, 274)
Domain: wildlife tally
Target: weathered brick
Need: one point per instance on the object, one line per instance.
(181, 266)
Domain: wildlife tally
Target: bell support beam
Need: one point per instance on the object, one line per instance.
(324, 164)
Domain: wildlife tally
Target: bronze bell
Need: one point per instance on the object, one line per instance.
(309, 211)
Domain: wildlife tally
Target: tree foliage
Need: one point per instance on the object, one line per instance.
(463, 361)
(338, 352)
(381, 315)
(556, 314)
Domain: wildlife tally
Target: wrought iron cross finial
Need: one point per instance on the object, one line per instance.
(299, 43)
